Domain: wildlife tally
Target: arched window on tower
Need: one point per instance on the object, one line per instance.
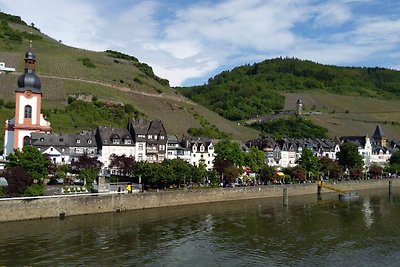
(27, 141)
(28, 112)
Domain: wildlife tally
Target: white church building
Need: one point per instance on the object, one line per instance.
(28, 117)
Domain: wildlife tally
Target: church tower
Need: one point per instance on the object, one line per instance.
(28, 103)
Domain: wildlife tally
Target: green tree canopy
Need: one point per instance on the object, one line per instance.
(310, 163)
(395, 158)
(290, 127)
(231, 151)
(31, 160)
(330, 168)
(254, 158)
(348, 156)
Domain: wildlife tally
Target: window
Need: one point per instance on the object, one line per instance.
(127, 142)
(140, 146)
(89, 141)
(150, 136)
(115, 141)
(140, 157)
(41, 139)
(51, 149)
(78, 141)
(161, 147)
(27, 141)
(28, 112)
(202, 148)
(162, 137)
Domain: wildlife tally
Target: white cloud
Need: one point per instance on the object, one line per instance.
(199, 37)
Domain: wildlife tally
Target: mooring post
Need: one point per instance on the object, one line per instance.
(319, 188)
(390, 187)
(285, 197)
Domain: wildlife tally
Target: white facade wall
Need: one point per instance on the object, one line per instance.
(205, 156)
(8, 143)
(107, 151)
(33, 102)
(140, 151)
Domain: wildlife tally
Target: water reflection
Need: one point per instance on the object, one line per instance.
(310, 231)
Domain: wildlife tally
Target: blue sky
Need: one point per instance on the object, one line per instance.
(187, 42)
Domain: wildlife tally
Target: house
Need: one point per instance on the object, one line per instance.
(150, 139)
(202, 151)
(113, 140)
(65, 148)
(175, 150)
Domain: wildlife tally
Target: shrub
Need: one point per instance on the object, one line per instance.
(34, 190)
(87, 62)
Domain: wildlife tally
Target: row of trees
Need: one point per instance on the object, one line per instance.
(27, 169)
(349, 165)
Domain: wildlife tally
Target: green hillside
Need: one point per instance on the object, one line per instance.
(258, 89)
(112, 78)
(348, 100)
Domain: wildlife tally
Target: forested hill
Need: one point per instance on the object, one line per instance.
(258, 89)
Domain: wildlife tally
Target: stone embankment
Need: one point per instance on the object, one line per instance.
(60, 206)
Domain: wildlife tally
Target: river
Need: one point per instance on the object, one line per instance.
(262, 232)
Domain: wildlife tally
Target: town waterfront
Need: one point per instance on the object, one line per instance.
(311, 231)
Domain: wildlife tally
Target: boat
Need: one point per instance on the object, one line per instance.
(343, 194)
(348, 196)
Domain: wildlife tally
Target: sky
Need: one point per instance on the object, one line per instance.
(188, 42)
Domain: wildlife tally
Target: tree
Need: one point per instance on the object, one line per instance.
(229, 150)
(230, 174)
(31, 160)
(297, 173)
(348, 156)
(395, 158)
(267, 173)
(330, 168)
(375, 171)
(356, 172)
(310, 163)
(254, 158)
(87, 168)
(122, 164)
(18, 180)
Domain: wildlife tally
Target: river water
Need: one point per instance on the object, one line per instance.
(309, 232)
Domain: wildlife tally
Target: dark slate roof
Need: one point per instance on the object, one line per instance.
(358, 140)
(156, 127)
(29, 80)
(106, 134)
(137, 128)
(63, 140)
(378, 132)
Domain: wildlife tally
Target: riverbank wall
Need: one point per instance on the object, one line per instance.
(14, 209)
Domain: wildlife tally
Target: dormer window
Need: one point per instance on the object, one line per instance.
(41, 139)
(89, 141)
(162, 137)
(127, 141)
(78, 141)
(115, 141)
(150, 136)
